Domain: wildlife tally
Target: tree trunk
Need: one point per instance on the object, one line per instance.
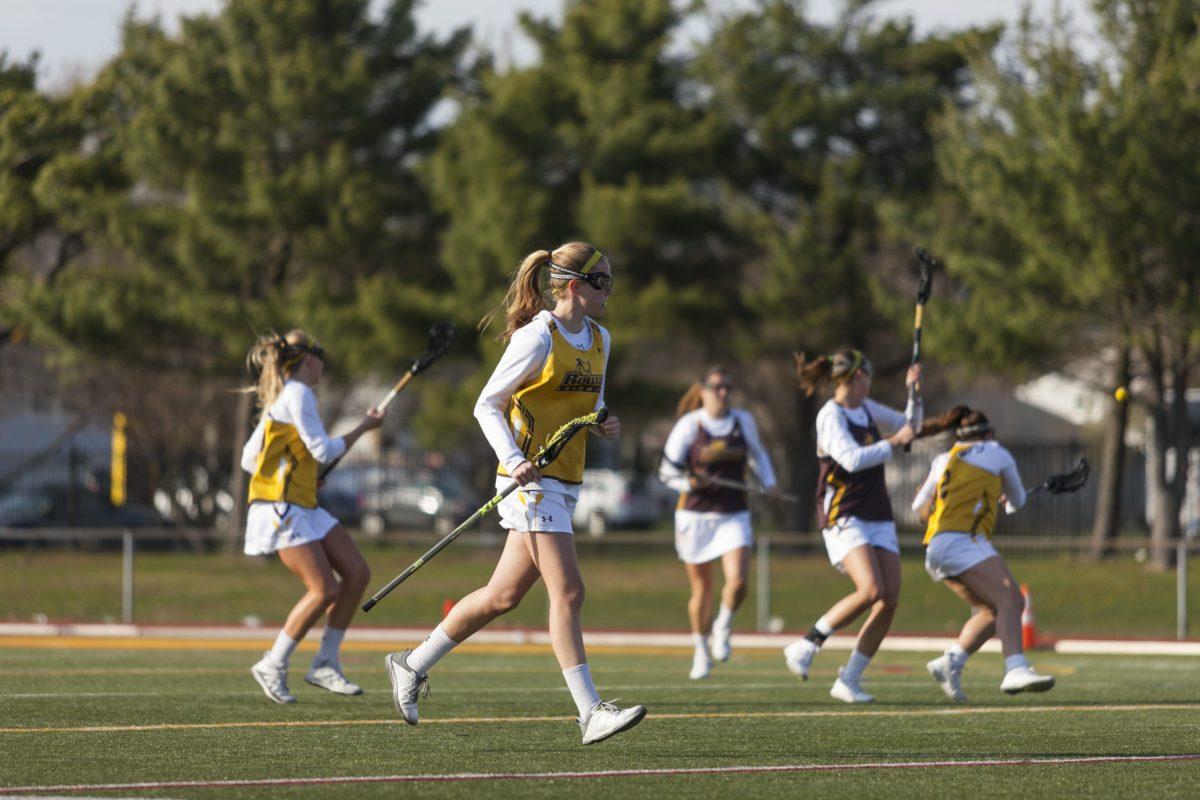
(237, 480)
(804, 467)
(1107, 522)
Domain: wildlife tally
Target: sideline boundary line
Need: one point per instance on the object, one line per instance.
(617, 773)
(929, 712)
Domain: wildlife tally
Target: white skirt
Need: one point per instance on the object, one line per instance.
(537, 511)
(274, 526)
(851, 532)
(702, 536)
(950, 554)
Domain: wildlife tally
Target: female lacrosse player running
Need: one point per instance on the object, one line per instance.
(960, 501)
(282, 456)
(712, 522)
(552, 371)
(854, 512)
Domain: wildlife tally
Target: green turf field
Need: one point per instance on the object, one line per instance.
(488, 709)
(642, 588)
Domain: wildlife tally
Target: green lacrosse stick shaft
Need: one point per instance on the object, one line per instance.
(437, 548)
(541, 461)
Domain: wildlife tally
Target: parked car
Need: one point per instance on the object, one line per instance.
(59, 507)
(377, 498)
(612, 498)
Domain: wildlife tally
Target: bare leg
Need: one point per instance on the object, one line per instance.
(991, 582)
(347, 561)
(883, 610)
(862, 568)
(515, 573)
(310, 564)
(981, 626)
(553, 555)
(736, 565)
(700, 611)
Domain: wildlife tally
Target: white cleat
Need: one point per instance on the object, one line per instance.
(406, 685)
(701, 665)
(848, 691)
(720, 644)
(273, 681)
(1025, 679)
(329, 675)
(948, 673)
(606, 719)
(799, 656)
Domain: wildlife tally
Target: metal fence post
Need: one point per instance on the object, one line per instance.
(127, 577)
(1181, 620)
(763, 597)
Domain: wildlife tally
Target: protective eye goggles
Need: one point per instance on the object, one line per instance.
(311, 349)
(858, 361)
(600, 281)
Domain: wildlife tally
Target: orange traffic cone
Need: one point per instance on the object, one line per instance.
(1028, 621)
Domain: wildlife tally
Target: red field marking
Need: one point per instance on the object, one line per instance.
(623, 773)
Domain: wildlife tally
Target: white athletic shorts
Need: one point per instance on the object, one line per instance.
(701, 536)
(950, 554)
(851, 532)
(274, 526)
(537, 511)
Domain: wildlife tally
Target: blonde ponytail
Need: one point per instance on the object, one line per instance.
(690, 400)
(274, 358)
(525, 296)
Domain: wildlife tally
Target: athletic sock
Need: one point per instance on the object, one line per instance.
(1015, 662)
(281, 651)
(331, 644)
(724, 620)
(583, 691)
(855, 666)
(821, 630)
(430, 651)
(957, 654)
(701, 643)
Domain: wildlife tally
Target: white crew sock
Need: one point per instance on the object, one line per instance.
(957, 654)
(583, 691)
(331, 645)
(1016, 662)
(281, 651)
(430, 651)
(855, 666)
(701, 642)
(823, 627)
(724, 620)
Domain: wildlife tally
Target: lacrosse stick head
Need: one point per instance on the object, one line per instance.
(559, 439)
(441, 336)
(1071, 481)
(927, 264)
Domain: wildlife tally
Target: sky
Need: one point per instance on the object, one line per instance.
(75, 37)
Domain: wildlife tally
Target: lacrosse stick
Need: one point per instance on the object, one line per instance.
(441, 335)
(914, 411)
(550, 451)
(1066, 483)
(745, 487)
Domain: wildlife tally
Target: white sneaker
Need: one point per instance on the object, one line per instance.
(849, 691)
(1025, 679)
(720, 644)
(406, 685)
(606, 719)
(701, 665)
(948, 673)
(799, 656)
(273, 680)
(329, 675)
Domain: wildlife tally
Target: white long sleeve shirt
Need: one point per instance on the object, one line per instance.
(296, 405)
(834, 438)
(684, 433)
(523, 360)
(989, 455)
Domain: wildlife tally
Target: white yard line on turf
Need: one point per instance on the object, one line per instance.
(735, 715)
(616, 773)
